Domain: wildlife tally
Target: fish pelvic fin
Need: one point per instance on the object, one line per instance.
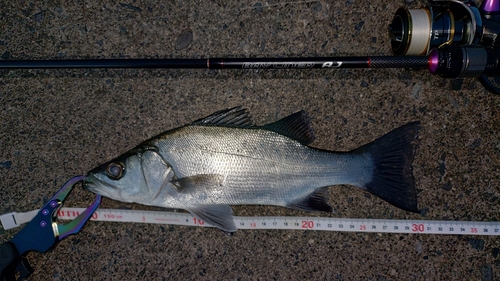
(314, 202)
(296, 126)
(220, 216)
(392, 155)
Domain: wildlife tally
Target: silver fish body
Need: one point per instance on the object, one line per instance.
(222, 160)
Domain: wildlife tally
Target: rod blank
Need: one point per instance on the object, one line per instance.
(231, 63)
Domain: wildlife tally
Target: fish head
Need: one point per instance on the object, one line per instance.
(137, 176)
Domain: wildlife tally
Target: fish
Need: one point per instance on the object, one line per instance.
(224, 159)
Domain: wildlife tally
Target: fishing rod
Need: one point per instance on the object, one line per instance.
(227, 63)
(449, 62)
(452, 39)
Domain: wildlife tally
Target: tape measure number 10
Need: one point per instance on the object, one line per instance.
(12, 220)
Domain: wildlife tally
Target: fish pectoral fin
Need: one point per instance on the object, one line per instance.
(296, 126)
(203, 181)
(220, 216)
(231, 117)
(314, 202)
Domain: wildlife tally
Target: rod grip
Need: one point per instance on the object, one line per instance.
(399, 62)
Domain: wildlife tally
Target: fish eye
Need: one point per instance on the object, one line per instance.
(115, 170)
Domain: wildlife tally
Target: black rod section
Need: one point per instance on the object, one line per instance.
(399, 62)
(104, 63)
(229, 63)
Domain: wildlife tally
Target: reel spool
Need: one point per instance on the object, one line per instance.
(418, 31)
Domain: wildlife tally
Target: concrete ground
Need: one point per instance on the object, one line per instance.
(56, 124)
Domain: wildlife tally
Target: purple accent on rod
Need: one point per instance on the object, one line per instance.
(433, 61)
(490, 6)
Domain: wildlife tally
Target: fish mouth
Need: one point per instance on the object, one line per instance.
(90, 184)
(95, 185)
(86, 181)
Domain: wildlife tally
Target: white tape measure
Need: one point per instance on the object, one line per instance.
(12, 220)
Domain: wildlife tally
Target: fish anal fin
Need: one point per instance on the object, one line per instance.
(231, 117)
(220, 216)
(296, 126)
(314, 202)
(202, 181)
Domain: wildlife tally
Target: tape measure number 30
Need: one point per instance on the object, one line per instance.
(12, 220)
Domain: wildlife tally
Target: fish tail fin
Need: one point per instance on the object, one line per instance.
(392, 156)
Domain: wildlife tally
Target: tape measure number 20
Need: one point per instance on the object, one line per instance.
(12, 220)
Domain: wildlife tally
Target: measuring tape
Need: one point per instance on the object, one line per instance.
(12, 220)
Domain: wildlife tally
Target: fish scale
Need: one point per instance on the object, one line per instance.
(215, 162)
(270, 151)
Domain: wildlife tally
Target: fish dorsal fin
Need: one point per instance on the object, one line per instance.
(232, 117)
(296, 126)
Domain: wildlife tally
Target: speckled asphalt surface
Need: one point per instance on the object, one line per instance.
(56, 124)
